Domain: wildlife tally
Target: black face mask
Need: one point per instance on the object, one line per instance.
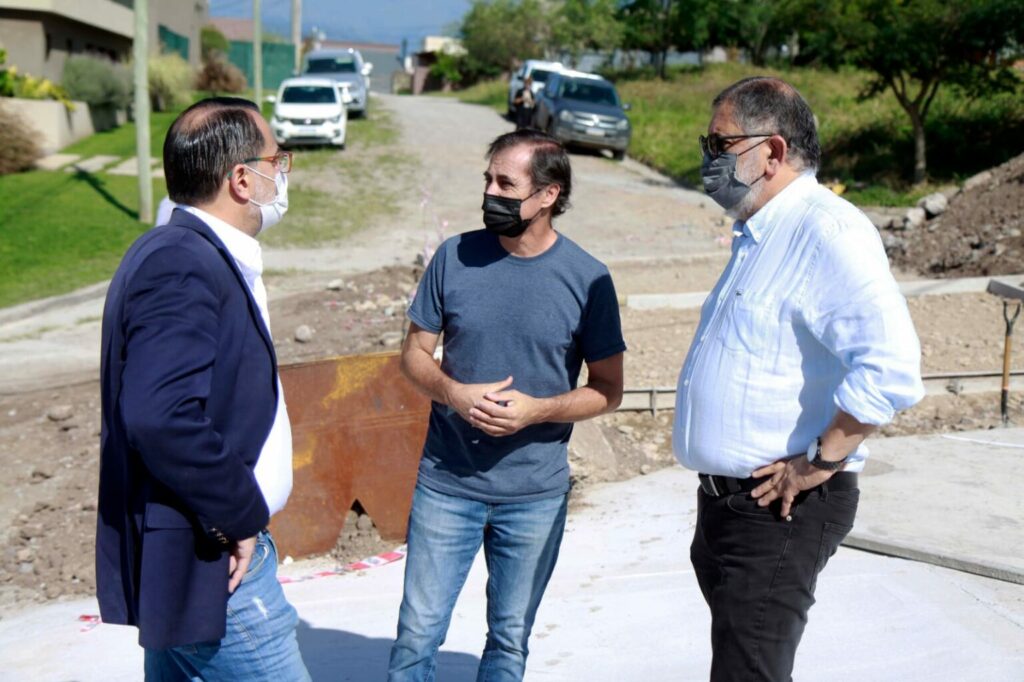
(501, 215)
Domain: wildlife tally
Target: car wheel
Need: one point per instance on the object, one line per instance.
(618, 154)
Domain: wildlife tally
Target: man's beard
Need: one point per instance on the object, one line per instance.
(747, 173)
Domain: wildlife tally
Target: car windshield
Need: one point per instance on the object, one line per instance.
(309, 94)
(540, 75)
(332, 65)
(589, 91)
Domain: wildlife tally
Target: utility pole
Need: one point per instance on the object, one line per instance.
(140, 52)
(257, 53)
(297, 33)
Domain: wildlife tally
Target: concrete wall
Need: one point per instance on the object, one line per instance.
(40, 34)
(39, 43)
(57, 127)
(184, 17)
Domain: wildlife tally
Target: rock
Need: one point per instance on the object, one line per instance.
(645, 469)
(26, 568)
(24, 554)
(335, 285)
(934, 204)
(303, 333)
(364, 522)
(59, 413)
(389, 311)
(914, 218)
(590, 455)
(383, 301)
(30, 530)
(41, 473)
(891, 241)
(364, 306)
(391, 339)
(625, 429)
(880, 219)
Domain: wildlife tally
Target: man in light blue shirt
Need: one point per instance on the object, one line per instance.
(805, 346)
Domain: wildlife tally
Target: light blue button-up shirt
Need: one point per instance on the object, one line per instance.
(805, 319)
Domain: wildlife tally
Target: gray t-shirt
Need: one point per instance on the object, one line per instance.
(536, 319)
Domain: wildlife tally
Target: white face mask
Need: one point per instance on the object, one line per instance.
(271, 212)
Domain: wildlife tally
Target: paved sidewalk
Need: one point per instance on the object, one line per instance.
(624, 605)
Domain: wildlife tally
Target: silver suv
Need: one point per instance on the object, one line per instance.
(348, 69)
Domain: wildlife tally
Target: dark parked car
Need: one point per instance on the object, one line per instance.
(583, 109)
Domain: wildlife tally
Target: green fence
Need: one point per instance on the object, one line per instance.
(172, 42)
(278, 61)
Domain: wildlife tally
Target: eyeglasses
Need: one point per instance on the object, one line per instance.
(715, 145)
(282, 161)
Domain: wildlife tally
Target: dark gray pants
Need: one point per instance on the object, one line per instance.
(758, 572)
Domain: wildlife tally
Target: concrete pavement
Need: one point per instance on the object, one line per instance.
(624, 605)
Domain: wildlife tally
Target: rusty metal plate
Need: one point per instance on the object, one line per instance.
(358, 427)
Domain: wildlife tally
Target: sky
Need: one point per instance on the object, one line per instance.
(378, 21)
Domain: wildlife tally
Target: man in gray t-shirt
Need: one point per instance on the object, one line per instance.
(521, 308)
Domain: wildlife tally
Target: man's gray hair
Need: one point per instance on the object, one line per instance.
(770, 105)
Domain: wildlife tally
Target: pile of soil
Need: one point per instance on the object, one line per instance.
(980, 234)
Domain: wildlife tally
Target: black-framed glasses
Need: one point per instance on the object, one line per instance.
(282, 161)
(715, 145)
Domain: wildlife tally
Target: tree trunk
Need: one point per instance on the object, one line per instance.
(920, 159)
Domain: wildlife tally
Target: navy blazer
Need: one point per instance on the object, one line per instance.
(189, 394)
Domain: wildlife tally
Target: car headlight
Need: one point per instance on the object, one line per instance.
(276, 119)
(336, 119)
(565, 115)
(623, 124)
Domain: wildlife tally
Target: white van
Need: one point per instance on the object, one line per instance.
(310, 111)
(538, 70)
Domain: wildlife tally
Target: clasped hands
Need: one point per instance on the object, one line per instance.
(494, 409)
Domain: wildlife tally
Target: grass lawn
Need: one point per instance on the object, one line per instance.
(867, 145)
(61, 231)
(120, 141)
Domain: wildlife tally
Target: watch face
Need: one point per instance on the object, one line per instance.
(812, 450)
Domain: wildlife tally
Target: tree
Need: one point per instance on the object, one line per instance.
(212, 43)
(914, 47)
(498, 34)
(579, 25)
(755, 25)
(656, 26)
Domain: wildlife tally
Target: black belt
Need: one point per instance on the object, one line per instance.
(719, 486)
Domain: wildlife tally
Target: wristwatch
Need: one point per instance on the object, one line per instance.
(814, 457)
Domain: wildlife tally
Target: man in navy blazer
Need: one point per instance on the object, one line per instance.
(195, 444)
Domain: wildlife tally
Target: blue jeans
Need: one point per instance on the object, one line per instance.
(520, 541)
(260, 640)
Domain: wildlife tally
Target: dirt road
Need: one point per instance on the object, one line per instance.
(623, 213)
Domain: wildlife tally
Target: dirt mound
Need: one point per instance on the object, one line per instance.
(981, 233)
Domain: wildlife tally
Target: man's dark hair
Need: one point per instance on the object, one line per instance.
(549, 162)
(770, 105)
(204, 144)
